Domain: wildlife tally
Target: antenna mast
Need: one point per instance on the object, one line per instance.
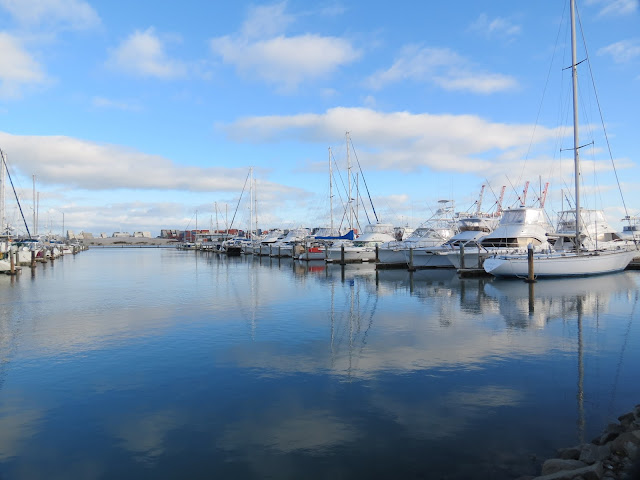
(479, 206)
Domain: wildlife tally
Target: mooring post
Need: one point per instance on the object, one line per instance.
(531, 278)
(411, 267)
(342, 254)
(462, 256)
(12, 262)
(33, 259)
(377, 253)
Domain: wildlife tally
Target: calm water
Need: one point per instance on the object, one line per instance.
(158, 363)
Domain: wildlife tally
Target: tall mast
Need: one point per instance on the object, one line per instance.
(35, 220)
(255, 205)
(576, 144)
(3, 219)
(330, 194)
(250, 202)
(349, 182)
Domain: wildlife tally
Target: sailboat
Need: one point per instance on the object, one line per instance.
(582, 258)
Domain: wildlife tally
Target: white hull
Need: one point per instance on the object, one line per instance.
(353, 254)
(560, 265)
(470, 258)
(392, 256)
(312, 256)
(282, 251)
(427, 259)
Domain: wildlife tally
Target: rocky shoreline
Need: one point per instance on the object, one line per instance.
(614, 455)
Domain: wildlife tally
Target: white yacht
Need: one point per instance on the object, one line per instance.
(363, 248)
(434, 232)
(471, 230)
(260, 246)
(285, 246)
(586, 256)
(602, 250)
(517, 228)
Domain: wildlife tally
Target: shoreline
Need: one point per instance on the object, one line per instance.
(614, 455)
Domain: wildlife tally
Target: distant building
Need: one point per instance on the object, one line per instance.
(71, 235)
(192, 235)
(142, 234)
(86, 235)
(173, 234)
(120, 234)
(103, 235)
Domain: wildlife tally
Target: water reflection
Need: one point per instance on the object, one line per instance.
(258, 366)
(534, 305)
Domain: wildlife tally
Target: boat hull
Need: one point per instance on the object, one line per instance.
(353, 254)
(560, 265)
(430, 259)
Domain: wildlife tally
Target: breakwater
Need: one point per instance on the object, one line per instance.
(613, 455)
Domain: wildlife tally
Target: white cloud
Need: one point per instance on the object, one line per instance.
(615, 7)
(497, 26)
(266, 21)
(261, 49)
(71, 14)
(101, 102)
(623, 51)
(286, 61)
(81, 164)
(143, 53)
(19, 69)
(442, 67)
(401, 140)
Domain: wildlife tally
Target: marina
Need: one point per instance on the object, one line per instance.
(165, 363)
(457, 299)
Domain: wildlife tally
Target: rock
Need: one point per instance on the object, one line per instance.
(625, 443)
(557, 464)
(591, 472)
(591, 454)
(606, 438)
(614, 428)
(626, 419)
(571, 453)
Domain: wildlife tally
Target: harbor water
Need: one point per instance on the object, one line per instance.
(161, 363)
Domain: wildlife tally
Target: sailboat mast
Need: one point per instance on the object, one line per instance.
(330, 194)
(349, 182)
(255, 206)
(250, 203)
(3, 220)
(35, 208)
(576, 144)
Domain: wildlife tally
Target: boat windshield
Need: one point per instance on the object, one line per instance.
(527, 216)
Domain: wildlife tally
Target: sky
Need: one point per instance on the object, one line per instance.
(147, 115)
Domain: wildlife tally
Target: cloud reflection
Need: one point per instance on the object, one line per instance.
(313, 431)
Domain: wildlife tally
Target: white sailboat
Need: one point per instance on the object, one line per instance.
(583, 258)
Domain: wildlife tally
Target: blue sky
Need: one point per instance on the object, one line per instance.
(135, 116)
